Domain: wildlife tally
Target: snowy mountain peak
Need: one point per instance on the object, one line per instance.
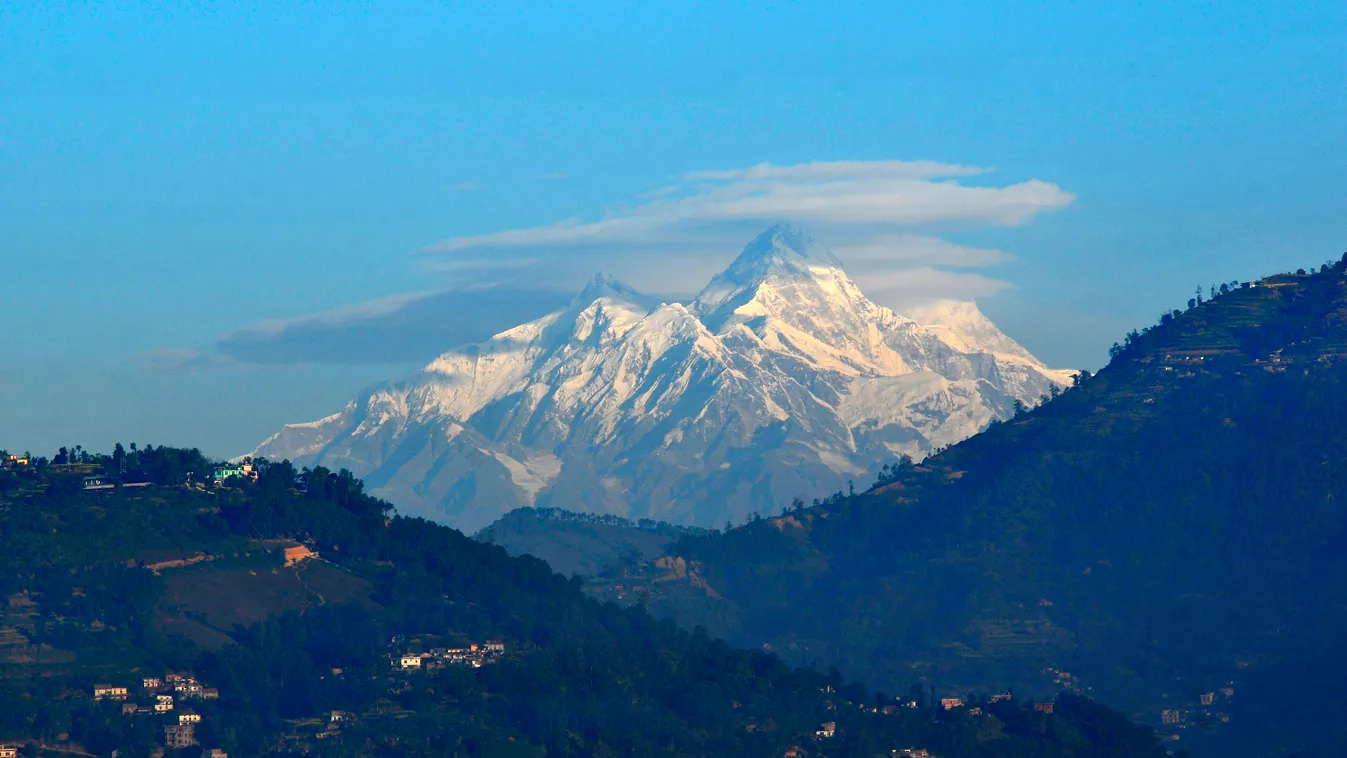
(784, 241)
(782, 273)
(602, 285)
(962, 326)
(781, 251)
(603, 311)
(780, 380)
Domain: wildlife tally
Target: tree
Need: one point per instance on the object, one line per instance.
(118, 457)
(890, 472)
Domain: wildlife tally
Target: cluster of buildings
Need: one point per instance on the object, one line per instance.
(163, 691)
(108, 482)
(438, 657)
(1210, 710)
(15, 461)
(828, 730)
(160, 696)
(181, 685)
(240, 470)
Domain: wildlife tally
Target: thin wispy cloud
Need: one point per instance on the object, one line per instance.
(841, 170)
(881, 195)
(462, 187)
(915, 248)
(182, 361)
(408, 328)
(882, 218)
(921, 284)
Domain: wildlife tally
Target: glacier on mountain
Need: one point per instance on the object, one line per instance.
(779, 380)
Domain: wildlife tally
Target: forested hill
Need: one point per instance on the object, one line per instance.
(284, 612)
(1170, 527)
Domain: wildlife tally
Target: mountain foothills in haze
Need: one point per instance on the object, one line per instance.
(780, 379)
(1167, 535)
(583, 544)
(150, 611)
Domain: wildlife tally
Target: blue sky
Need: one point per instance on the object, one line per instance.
(200, 202)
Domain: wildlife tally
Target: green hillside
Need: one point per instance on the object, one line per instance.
(1168, 528)
(294, 615)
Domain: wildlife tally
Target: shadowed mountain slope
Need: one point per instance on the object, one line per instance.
(580, 543)
(1169, 527)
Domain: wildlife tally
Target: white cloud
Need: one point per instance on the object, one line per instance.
(879, 195)
(910, 286)
(842, 170)
(913, 248)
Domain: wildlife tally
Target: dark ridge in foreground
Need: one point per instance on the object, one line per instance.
(289, 615)
(1166, 535)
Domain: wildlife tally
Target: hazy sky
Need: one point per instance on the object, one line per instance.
(214, 221)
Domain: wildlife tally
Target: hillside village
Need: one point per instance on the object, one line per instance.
(156, 697)
(474, 656)
(102, 474)
(278, 563)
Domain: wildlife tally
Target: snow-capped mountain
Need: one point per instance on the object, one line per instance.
(780, 380)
